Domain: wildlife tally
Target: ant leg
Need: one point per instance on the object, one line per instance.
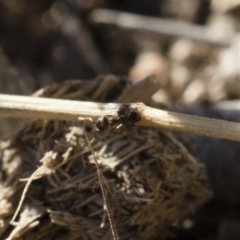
(124, 129)
(117, 127)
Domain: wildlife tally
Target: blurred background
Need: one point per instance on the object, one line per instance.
(191, 47)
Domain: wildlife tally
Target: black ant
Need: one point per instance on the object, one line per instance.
(127, 116)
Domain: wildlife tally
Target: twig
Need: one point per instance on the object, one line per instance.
(157, 26)
(56, 109)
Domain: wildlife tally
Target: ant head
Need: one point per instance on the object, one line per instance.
(101, 123)
(133, 116)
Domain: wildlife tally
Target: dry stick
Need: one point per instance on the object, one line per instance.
(158, 26)
(52, 109)
(188, 123)
(56, 109)
(104, 195)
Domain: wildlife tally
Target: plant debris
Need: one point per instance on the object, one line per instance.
(151, 181)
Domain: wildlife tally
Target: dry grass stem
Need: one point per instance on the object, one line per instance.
(22, 198)
(189, 123)
(56, 109)
(104, 195)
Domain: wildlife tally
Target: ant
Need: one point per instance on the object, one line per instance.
(127, 116)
